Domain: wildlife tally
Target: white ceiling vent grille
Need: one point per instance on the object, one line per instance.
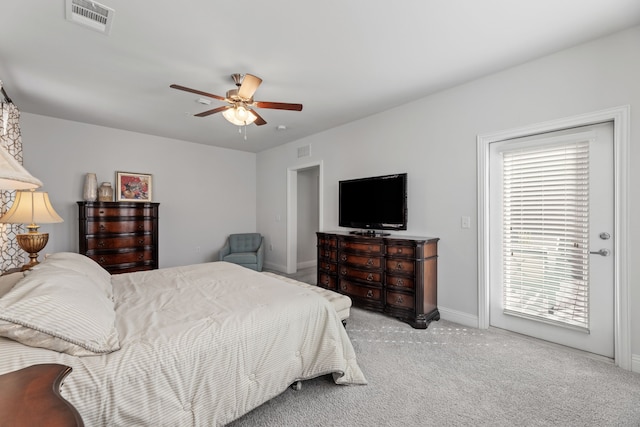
(90, 14)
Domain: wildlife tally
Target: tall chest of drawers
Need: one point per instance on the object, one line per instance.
(121, 236)
(394, 275)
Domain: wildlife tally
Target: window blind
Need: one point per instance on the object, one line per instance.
(545, 235)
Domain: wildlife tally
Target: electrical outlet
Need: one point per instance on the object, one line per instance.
(465, 222)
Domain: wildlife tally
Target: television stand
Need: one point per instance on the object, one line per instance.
(396, 275)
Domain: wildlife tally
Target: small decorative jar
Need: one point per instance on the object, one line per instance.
(105, 192)
(90, 193)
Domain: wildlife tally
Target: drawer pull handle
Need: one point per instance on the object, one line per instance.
(400, 282)
(343, 271)
(400, 250)
(399, 300)
(369, 293)
(343, 287)
(327, 254)
(343, 257)
(102, 227)
(140, 226)
(101, 212)
(140, 257)
(101, 260)
(399, 266)
(370, 277)
(369, 261)
(326, 281)
(140, 241)
(101, 243)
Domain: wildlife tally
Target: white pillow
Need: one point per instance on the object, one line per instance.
(61, 310)
(80, 264)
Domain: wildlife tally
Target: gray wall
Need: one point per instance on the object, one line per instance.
(205, 193)
(434, 141)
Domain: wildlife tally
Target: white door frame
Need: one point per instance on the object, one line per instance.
(292, 211)
(620, 116)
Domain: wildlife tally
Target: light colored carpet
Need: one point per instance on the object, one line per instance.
(449, 375)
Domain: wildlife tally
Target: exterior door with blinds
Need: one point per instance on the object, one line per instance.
(552, 237)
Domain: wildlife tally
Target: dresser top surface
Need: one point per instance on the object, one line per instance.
(379, 237)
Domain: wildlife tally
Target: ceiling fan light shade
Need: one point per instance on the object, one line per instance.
(239, 116)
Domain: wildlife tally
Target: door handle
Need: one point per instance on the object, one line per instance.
(603, 252)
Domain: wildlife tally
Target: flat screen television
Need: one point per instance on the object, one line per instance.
(374, 203)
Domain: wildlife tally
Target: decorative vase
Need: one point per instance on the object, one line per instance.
(90, 193)
(105, 192)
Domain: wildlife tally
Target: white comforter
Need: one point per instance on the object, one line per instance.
(201, 345)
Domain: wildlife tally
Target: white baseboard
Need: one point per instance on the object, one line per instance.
(275, 267)
(635, 363)
(307, 264)
(460, 317)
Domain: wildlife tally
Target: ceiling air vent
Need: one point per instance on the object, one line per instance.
(90, 14)
(304, 151)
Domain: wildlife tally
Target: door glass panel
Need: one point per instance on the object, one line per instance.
(546, 234)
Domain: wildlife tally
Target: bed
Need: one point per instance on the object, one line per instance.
(194, 345)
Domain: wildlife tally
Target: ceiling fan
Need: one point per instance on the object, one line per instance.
(240, 109)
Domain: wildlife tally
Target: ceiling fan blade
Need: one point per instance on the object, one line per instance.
(199, 92)
(259, 121)
(249, 86)
(210, 112)
(278, 105)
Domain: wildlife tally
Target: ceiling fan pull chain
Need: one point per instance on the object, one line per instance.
(245, 132)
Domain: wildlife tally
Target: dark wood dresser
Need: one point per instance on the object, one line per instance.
(390, 274)
(121, 236)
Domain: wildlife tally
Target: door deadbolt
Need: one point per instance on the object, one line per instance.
(605, 236)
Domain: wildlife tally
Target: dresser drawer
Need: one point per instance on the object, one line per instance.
(361, 292)
(327, 254)
(400, 282)
(405, 266)
(122, 258)
(397, 299)
(374, 277)
(327, 267)
(326, 281)
(361, 261)
(97, 243)
(370, 247)
(401, 251)
(96, 227)
(105, 212)
(330, 241)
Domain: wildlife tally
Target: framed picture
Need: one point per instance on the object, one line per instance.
(133, 187)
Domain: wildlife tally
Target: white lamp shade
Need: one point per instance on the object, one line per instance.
(13, 176)
(31, 207)
(239, 116)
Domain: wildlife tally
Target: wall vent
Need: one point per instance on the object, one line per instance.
(304, 151)
(90, 14)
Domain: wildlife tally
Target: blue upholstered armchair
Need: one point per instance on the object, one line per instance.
(246, 249)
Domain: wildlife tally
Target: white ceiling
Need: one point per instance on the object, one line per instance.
(342, 59)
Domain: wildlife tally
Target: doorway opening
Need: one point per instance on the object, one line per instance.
(304, 214)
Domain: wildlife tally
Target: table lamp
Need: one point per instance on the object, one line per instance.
(31, 207)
